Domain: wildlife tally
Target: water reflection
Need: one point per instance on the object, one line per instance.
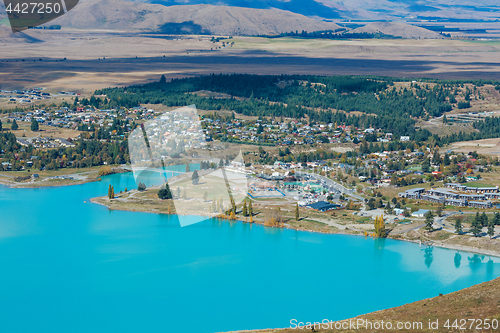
(428, 256)
(145, 275)
(379, 245)
(458, 259)
(489, 269)
(273, 231)
(475, 262)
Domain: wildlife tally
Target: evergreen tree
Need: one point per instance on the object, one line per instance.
(491, 229)
(112, 195)
(34, 125)
(458, 227)
(195, 178)
(435, 158)
(109, 191)
(233, 205)
(497, 218)
(371, 204)
(244, 210)
(439, 211)
(250, 210)
(388, 207)
(1, 129)
(426, 165)
(297, 216)
(260, 129)
(484, 220)
(476, 227)
(380, 203)
(14, 126)
(164, 193)
(429, 221)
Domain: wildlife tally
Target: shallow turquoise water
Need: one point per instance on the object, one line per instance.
(70, 266)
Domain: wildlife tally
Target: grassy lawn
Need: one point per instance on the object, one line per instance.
(483, 183)
(364, 219)
(414, 167)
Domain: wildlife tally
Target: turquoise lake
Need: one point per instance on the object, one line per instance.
(71, 266)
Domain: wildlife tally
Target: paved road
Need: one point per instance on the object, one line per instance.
(333, 185)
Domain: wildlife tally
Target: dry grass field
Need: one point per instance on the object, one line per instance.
(24, 131)
(96, 59)
(486, 146)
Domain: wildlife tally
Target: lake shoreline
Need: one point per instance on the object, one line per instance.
(88, 177)
(104, 201)
(443, 307)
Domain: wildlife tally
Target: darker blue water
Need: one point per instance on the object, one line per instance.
(70, 266)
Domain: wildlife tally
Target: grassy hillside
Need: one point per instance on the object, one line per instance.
(399, 30)
(193, 19)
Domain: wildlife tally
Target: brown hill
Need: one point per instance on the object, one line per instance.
(217, 20)
(399, 30)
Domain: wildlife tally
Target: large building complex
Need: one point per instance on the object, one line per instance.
(455, 195)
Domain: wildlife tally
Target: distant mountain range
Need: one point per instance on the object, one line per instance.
(352, 10)
(193, 19)
(264, 17)
(365, 9)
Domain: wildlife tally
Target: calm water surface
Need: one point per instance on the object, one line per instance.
(70, 266)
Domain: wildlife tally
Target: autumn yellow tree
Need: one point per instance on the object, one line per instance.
(380, 230)
(104, 171)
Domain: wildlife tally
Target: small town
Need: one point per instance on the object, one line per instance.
(253, 166)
